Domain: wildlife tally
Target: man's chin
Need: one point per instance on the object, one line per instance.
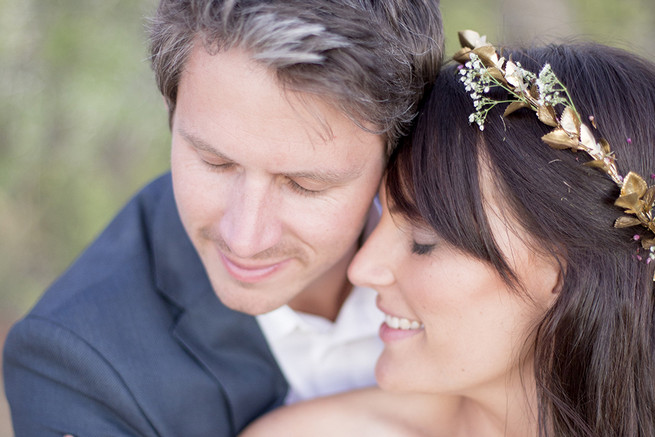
(245, 301)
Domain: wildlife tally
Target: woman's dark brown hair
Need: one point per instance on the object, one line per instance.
(594, 351)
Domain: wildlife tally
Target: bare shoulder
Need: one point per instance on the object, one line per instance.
(362, 412)
(341, 414)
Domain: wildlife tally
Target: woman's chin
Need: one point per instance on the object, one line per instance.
(390, 376)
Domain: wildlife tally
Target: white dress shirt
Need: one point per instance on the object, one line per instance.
(319, 357)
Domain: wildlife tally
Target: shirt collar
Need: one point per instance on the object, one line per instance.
(358, 318)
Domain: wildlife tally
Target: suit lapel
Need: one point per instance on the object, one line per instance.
(228, 344)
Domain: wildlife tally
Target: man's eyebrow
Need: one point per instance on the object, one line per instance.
(200, 144)
(326, 177)
(321, 176)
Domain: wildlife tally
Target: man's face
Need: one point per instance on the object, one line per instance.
(273, 186)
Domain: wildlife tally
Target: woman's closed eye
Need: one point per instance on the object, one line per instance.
(423, 239)
(422, 249)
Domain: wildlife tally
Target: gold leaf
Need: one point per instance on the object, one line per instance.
(547, 115)
(514, 76)
(487, 55)
(587, 139)
(634, 184)
(570, 122)
(514, 106)
(470, 38)
(496, 74)
(463, 55)
(626, 221)
(647, 243)
(597, 163)
(559, 139)
(604, 146)
(649, 198)
(629, 202)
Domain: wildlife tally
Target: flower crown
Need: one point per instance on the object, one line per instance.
(483, 69)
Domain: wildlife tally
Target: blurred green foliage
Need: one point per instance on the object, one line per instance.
(82, 126)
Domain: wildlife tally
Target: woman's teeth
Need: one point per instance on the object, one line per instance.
(401, 323)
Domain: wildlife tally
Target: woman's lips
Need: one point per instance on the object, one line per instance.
(401, 322)
(399, 328)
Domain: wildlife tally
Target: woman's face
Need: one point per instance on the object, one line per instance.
(453, 325)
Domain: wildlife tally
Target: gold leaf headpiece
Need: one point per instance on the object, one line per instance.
(482, 69)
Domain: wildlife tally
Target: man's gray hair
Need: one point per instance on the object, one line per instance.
(372, 59)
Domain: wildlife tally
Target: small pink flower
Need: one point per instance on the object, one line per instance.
(629, 140)
(636, 237)
(652, 176)
(639, 257)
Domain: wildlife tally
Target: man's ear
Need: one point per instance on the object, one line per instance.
(171, 114)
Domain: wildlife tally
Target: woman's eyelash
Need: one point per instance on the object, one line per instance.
(421, 249)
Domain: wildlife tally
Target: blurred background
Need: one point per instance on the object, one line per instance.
(82, 126)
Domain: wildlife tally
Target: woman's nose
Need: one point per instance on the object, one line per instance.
(373, 264)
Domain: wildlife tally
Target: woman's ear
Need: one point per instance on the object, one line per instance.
(559, 285)
(559, 258)
(549, 272)
(556, 281)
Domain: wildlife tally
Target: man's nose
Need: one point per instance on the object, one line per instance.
(250, 222)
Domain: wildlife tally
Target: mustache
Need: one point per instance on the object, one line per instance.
(280, 251)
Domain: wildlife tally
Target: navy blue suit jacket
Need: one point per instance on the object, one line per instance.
(132, 341)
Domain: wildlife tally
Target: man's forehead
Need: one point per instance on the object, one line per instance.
(323, 116)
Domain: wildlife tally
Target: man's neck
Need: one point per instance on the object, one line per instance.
(325, 296)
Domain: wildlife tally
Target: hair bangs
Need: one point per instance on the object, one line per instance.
(442, 159)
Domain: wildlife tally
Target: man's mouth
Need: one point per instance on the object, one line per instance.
(250, 273)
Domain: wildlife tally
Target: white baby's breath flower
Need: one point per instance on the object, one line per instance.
(549, 87)
(477, 83)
